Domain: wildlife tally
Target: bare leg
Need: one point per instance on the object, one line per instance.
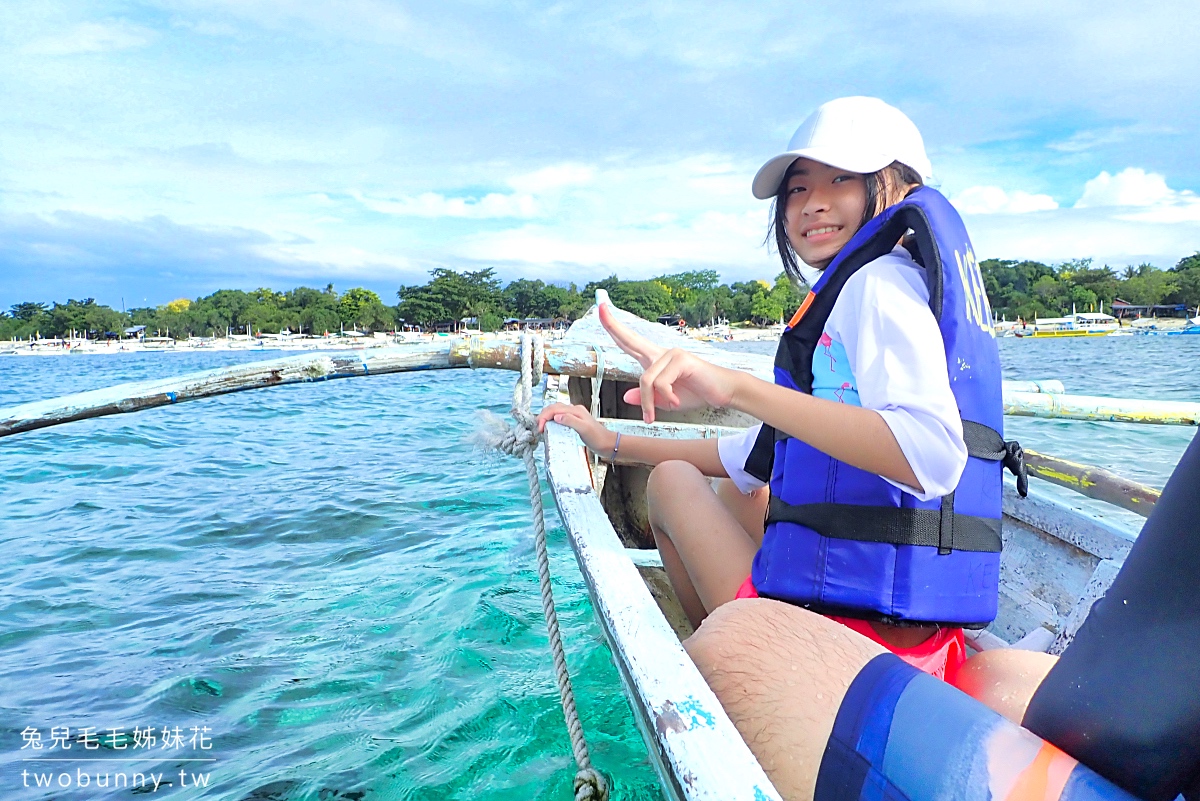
(704, 548)
(1005, 679)
(749, 509)
(780, 672)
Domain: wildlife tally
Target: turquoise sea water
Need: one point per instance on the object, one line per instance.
(332, 581)
(328, 577)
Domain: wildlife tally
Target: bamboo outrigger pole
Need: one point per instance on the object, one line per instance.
(136, 396)
(563, 359)
(1094, 482)
(1086, 407)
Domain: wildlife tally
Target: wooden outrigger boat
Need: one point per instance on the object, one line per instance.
(1057, 561)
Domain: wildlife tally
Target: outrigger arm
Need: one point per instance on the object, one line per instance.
(570, 359)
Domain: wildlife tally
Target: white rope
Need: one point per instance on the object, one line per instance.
(520, 440)
(597, 380)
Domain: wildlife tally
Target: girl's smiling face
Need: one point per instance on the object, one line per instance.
(824, 209)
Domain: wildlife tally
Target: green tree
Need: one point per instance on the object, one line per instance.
(1010, 287)
(647, 299)
(566, 302)
(607, 284)
(766, 307)
(694, 280)
(1101, 282)
(451, 296)
(788, 293)
(1187, 280)
(1149, 286)
(700, 310)
(773, 303)
(363, 308)
(28, 311)
(418, 307)
(738, 306)
(84, 316)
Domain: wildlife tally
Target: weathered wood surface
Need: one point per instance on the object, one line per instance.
(136, 396)
(1102, 578)
(1087, 532)
(1094, 482)
(695, 747)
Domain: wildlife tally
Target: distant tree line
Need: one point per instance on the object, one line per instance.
(697, 296)
(263, 310)
(1030, 289)
(1026, 289)
(448, 296)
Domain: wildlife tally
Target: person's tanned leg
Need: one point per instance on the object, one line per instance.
(780, 672)
(1004, 679)
(750, 509)
(705, 550)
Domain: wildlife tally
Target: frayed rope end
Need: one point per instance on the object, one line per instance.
(497, 434)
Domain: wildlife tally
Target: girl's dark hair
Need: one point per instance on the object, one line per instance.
(877, 185)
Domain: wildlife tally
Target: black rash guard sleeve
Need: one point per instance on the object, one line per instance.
(1124, 699)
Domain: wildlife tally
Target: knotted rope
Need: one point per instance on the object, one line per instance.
(520, 440)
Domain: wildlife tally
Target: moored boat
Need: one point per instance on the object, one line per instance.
(1082, 324)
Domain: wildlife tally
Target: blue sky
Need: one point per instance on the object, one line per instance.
(153, 150)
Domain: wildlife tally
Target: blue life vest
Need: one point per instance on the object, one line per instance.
(840, 540)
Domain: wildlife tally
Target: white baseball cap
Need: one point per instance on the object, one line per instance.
(860, 134)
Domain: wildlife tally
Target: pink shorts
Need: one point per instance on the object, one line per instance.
(940, 656)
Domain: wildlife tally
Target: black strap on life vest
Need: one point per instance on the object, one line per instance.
(942, 528)
(762, 456)
(984, 442)
(930, 527)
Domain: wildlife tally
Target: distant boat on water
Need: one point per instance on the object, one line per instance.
(1081, 324)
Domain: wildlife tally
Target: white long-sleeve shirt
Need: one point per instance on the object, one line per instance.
(881, 349)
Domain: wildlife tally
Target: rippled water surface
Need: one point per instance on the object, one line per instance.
(328, 577)
(335, 584)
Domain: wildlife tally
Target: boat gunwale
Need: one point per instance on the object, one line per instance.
(695, 747)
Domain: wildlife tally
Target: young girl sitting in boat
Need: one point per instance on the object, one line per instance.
(877, 465)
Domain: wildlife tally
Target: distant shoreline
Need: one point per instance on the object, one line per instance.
(304, 344)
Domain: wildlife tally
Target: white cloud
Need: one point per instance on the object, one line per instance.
(433, 205)
(558, 176)
(1126, 218)
(442, 37)
(714, 239)
(639, 220)
(1082, 141)
(1130, 187)
(1137, 195)
(334, 259)
(92, 37)
(534, 192)
(994, 200)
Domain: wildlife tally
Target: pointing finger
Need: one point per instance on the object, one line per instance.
(627, 339)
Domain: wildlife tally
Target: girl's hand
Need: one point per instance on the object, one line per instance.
(596, 437)
(671, 379)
